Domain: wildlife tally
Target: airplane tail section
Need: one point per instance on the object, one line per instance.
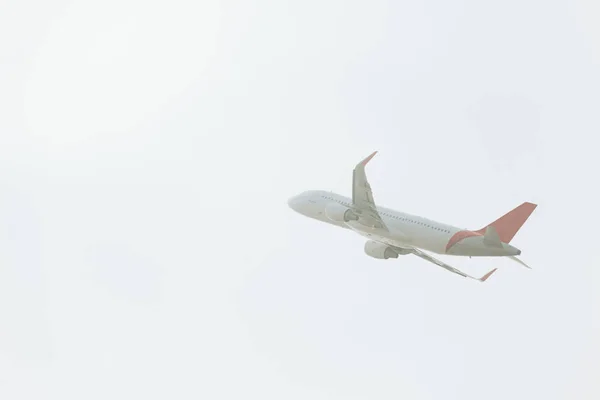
(507, 226)
(519, 261)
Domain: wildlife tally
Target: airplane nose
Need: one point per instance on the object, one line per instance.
(293, 203)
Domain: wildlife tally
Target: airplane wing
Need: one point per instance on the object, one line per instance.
(362, 196)
(442, 264)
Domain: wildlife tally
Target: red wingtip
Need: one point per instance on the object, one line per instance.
(486, 276)
(366, 160)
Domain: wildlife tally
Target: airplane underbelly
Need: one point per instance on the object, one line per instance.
(391, 237)
(433, 243)
(475, 247)
(397, 238)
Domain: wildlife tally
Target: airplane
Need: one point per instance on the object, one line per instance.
(392, 233)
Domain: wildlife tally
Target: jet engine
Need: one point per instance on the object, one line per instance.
(339, 213)
(379, 250)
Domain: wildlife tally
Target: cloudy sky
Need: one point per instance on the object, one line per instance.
(148, 148)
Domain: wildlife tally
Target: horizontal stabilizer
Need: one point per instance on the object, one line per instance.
(519, 261)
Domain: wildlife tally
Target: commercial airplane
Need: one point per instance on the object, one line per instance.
(392, 233)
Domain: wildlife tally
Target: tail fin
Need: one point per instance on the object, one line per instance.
(509, 224)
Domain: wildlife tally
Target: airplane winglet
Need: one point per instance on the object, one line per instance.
(366, 160)
(486, 276)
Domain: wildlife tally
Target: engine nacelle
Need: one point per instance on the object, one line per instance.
(339, 213)
(379, 250)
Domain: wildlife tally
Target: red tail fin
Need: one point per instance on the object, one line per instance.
(509, 224)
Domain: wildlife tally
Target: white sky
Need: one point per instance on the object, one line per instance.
(148, 148)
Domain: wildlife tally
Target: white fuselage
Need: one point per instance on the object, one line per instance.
(403, 230)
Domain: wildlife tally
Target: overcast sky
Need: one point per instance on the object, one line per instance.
(148, 149)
